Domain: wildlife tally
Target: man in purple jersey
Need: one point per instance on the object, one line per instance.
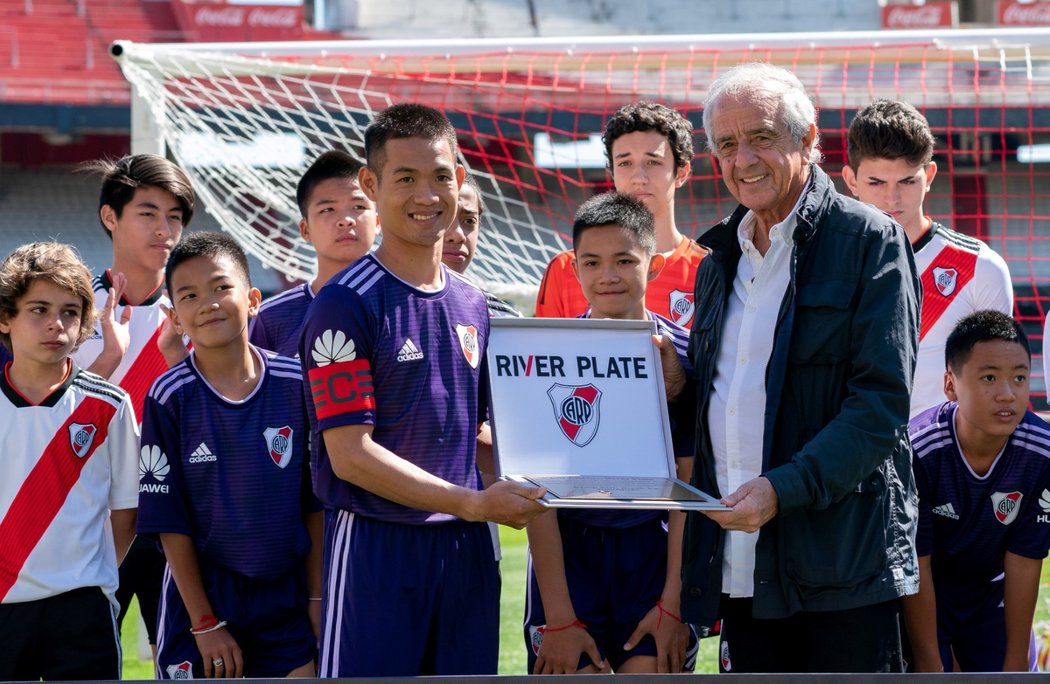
(394, 349)
(340, 223)
(982, 470)
(604, 586)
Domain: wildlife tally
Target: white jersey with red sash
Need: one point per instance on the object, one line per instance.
(72, 459)
(143, 362)
(960, 275)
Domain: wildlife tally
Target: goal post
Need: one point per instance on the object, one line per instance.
(245, 119)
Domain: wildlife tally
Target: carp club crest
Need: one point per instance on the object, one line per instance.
(944, 279)
(1005, 505)
(681, 307)
(576, 409)
(468, 342)
(279, 443)
(81, 435)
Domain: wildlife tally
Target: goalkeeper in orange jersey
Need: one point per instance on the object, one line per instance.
(650, 151)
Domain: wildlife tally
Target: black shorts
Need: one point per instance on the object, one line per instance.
(70, 636)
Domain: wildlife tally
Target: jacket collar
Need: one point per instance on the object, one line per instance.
(817, 197)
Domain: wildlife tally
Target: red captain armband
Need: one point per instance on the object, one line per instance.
(342, 387)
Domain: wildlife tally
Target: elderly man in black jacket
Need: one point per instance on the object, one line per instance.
(804, 343)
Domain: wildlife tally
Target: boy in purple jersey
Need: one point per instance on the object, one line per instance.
(604, 585)
(394, 349)
(224, 482)
(340, 222)
(982, 469)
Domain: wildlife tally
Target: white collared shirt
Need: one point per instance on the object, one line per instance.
(736, 411)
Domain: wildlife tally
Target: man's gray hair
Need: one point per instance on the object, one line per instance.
(758, 81)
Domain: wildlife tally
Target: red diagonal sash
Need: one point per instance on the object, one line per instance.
(934, 303)
(45, 490)
(146, 368)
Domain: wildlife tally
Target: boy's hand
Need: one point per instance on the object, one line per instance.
(169, 341)
(221, 654)
(116, 335)
(671, 635)
(561, 650)
(674, 374)
(507, 503)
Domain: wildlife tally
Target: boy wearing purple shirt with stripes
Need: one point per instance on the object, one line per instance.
(604, 585)
(340, 223)
(982, 470)
(393, 349)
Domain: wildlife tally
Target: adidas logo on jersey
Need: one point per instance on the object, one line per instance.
(947, 510)
(154, 463)
(203, 454)
(409, 351)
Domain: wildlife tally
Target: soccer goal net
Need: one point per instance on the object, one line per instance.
(246, 119)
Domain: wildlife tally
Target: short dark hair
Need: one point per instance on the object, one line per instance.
(51, 261)
(406, 120)
(981, 326)
(650, 116)
(469, 180)
(330, 164)
(121, 178)
(205, 244)
(616, 209)
(888, 129)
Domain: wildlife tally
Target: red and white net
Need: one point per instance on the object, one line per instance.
(528, 114)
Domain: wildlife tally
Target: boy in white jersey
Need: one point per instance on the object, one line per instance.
(68, 494)
(145, 202)
(891, 167)
(341, 224)
(604, 586)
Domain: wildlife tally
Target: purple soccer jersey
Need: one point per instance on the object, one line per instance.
(232, 475)
(377, 351)
(280, 320)
(968, 522)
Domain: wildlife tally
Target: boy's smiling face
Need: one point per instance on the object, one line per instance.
(613, 270)
(212, 301)
(991, 389)
(46, 326)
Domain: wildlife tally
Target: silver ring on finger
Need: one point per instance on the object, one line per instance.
(218, 662)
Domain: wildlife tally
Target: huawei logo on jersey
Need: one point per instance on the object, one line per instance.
(945, 279)
(153, 462)
(332, 347)
(81, 435)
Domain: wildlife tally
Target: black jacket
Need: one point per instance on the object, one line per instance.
(836, 446)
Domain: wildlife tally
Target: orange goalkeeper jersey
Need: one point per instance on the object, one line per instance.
(669, 294)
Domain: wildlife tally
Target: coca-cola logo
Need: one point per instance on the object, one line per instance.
(230, 17)
(1016, 14)
(910, 17)
(277, 17)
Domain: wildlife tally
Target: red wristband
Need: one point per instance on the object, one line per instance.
(664, 611)
(207, 620)
(574, 623)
